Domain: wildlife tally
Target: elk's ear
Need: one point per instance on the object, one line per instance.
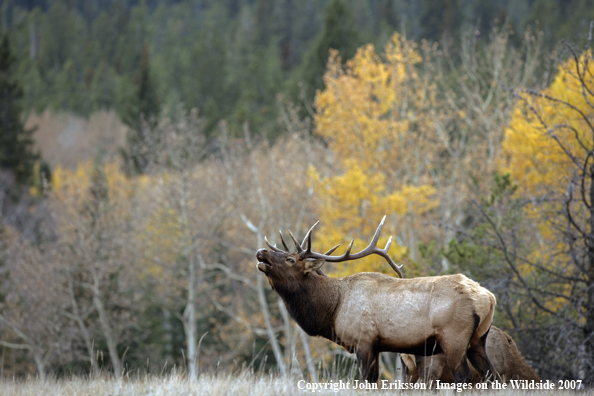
(313, 265)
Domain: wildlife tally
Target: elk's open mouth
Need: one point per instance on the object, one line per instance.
(263, 265)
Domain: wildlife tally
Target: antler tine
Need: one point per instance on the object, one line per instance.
(283, 241)
(307, 237)
(378, 231)
(347, 254)
(332, 250)
(370, 249)
(388, 244)
(297, 245)
(384, 253)
(274, 248)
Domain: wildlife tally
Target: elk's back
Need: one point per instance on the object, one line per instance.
(404, 315)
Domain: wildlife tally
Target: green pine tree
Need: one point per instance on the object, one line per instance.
(145, 103)
(339, 33)
(440, 18)
(141, 115)
(16, 142)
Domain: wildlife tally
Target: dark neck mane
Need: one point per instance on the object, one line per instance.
(313, 304)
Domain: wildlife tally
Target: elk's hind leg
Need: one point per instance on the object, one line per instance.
(454, 346)
(430, 368)
(478, 357)
(457, 362)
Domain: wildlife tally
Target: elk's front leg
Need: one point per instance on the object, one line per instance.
(368, 361)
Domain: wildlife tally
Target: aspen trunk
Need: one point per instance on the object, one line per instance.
(83, 328)
(112, 345)
(190, 325)
(40, 364)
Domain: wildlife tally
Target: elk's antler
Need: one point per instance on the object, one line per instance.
(304, 249)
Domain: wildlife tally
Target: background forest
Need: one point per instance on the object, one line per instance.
(147, 147)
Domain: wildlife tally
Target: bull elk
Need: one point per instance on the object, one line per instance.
(368, 313)
(507, 360)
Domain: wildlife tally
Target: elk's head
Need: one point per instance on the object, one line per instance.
(285, 266)
(282, 266)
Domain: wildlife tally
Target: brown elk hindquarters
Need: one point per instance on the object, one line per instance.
(501, 349)
(454, 345)
(478, 357)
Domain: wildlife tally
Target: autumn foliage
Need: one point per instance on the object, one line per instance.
(472, 179)
(376, 114)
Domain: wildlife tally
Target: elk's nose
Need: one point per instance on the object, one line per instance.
(260, 254)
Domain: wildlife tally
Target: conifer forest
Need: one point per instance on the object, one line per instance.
(148, 148)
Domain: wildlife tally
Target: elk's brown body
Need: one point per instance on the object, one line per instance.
(507, 360)
(368, 313)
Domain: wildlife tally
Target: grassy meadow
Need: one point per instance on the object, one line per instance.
(245, 383)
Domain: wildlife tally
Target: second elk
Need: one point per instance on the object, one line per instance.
(502, 351)
(368, 313)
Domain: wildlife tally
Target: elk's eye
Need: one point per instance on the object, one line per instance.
(290, 260)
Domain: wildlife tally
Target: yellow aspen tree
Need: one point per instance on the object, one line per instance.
(377, 115)
(549, 143)
(549, 152)
(550, 130)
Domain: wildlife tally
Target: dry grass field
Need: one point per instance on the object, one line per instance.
(222, 384)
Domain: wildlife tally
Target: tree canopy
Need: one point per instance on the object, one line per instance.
(16, 142)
